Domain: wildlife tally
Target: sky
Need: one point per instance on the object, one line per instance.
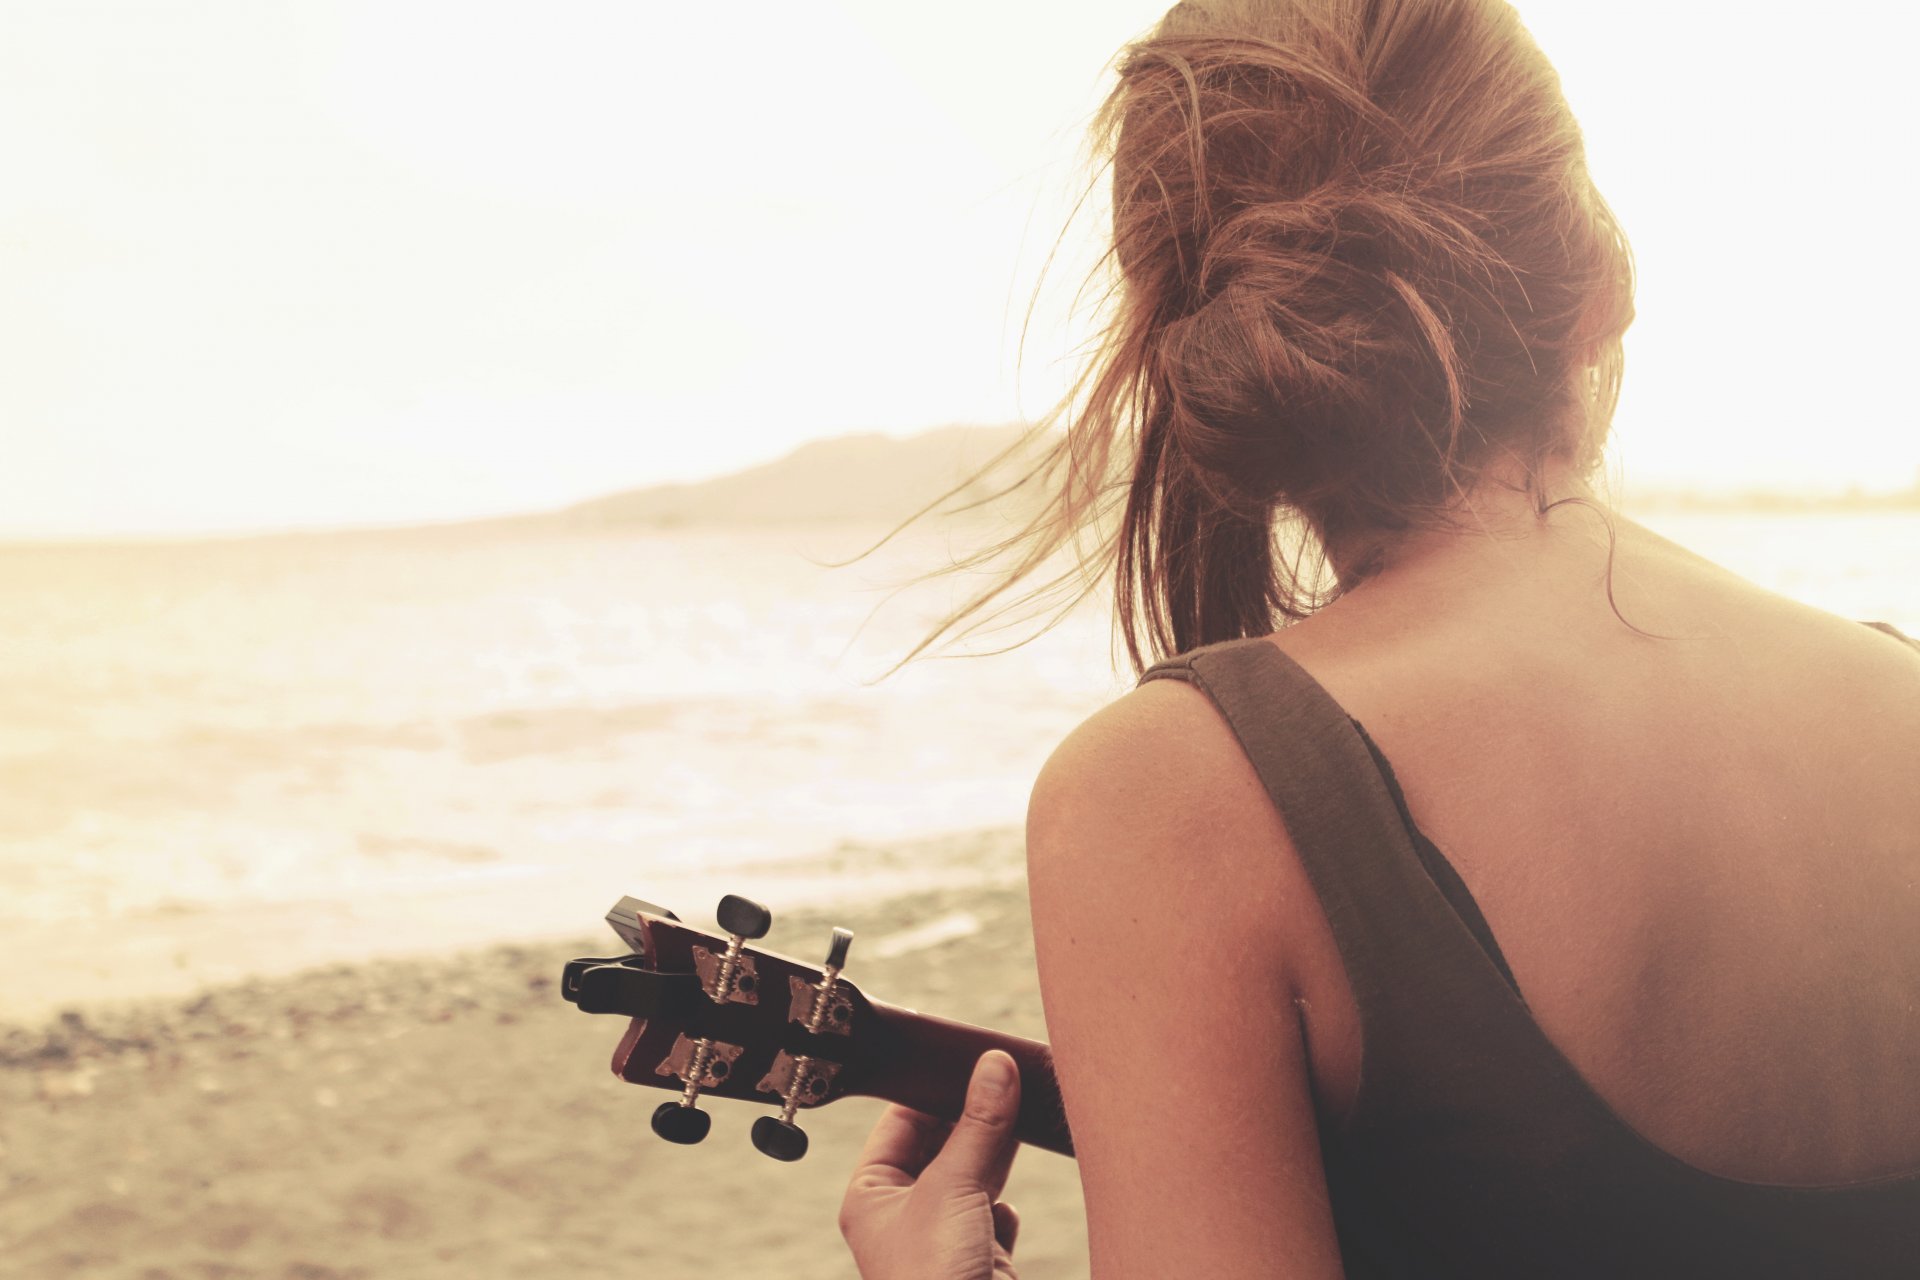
(267, 264)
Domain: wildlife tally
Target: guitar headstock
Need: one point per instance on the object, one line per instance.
(715, 1016)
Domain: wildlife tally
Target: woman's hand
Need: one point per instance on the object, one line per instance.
(922, 1201)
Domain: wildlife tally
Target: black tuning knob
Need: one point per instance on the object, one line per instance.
(682, 1124)
(781, 1139)
(743, 917)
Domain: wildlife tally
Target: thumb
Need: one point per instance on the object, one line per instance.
(980, 1150)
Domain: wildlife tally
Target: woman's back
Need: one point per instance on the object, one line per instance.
(1699, 854)
(1361, 368)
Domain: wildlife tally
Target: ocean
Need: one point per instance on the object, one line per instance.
(234, 757)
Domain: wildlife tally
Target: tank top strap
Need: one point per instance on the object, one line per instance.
(1424, 986)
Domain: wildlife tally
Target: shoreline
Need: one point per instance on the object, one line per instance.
(450, 1116)
(88, 967)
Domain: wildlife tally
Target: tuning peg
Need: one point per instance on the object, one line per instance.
(681, 1122)
(700, 1064)
(743, 917)
(837, 948)
(781, 1139)
(778, 1136)
(837, 951)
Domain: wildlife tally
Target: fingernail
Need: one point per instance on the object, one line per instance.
(992, 1076)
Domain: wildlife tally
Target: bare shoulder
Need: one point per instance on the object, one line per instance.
(1152, 797)
(1144, 736)
(1167, 927)
(1151, 810)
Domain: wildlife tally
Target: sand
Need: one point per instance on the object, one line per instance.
(456, 1118)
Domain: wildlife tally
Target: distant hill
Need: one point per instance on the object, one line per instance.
(874, 477)
(857, 479)
(851, 478)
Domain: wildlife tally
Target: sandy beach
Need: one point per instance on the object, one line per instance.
(321, 814)
(454, 1117)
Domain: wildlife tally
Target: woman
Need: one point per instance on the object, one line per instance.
(1653, 1012)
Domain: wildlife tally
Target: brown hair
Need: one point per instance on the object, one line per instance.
(1359, 263)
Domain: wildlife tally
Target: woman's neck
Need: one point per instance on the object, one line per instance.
(1499, 516)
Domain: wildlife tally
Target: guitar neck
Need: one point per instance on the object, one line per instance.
(924, 1062)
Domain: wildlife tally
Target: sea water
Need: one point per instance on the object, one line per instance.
(227, 757)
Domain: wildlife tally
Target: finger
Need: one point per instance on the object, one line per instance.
(898, 1149)
(1006, 1226)
(979, 1152)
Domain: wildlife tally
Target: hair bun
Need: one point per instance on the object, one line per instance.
(1360, 263)
(1310, 362)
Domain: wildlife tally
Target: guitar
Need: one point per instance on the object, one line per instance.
(712, 1016)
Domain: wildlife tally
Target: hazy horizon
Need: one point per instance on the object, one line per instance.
(1637, 493)
(350, 264)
